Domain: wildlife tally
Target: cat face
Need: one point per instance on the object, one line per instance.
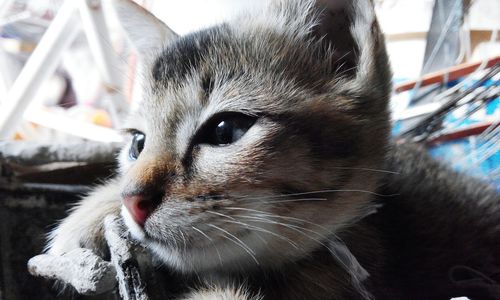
(258, 138)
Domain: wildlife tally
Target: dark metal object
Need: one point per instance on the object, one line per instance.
(443, 38)
(433, 122)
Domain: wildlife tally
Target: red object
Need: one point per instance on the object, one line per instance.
(460, 133)
(448, 74)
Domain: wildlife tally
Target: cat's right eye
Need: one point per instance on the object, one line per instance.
(137, 145)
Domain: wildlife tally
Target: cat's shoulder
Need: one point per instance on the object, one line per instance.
(414, 172)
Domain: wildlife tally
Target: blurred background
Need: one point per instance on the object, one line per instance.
(67, 73)
(79, 77)
(68, 77)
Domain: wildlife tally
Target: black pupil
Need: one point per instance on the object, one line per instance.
(137, 145)
(231, 129)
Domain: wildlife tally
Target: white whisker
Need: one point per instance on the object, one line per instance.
(366, 169)
(183, 240)
(262, 213)
(237, 241)
(299, 230)
(288, 225)
(220, 214)
(264, 230)
(295, 200)
(211, 240)
(320, 192)
(298, 220)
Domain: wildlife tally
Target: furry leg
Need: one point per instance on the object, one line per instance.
(221, 294)
(84, 227)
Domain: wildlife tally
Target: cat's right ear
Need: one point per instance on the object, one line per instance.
(145, 31)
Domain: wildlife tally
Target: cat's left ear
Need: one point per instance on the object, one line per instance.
(350, 27)
(349, 30)
(145, 31)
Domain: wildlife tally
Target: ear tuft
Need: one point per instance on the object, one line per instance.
(349, 30)
(352, 30)
(146, 32)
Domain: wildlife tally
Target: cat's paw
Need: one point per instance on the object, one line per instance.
(72, 234)
(221, 294)
(84, 227)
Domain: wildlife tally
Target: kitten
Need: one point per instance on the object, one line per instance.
(259, 165)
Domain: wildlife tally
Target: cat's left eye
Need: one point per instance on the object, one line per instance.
(137, 145)
(227, 129)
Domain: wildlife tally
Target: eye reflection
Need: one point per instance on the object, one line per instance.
(137, 145)
(228, 129)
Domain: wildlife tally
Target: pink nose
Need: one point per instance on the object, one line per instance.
(140, 207)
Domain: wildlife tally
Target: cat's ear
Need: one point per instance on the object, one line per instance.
(351, 29)
(145, 31)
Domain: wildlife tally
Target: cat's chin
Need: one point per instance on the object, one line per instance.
(222, 255)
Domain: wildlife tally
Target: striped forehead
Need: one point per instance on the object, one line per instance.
(187, 55)
(182, 77)
(181, 83)
(223, 69)
(224, 53)
(172, 115)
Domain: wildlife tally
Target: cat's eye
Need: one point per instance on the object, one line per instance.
(227, 129)
(137, 145)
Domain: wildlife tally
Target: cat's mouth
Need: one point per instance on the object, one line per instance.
(200, 240)
(195, 236)
(194, 233)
